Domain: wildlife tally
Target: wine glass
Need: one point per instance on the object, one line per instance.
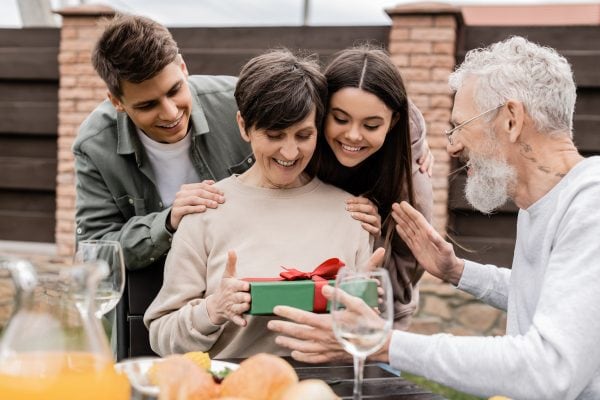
(110, 289)
(362, 315)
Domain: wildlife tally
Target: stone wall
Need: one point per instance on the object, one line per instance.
(7, 297)
(36, 254)
(446, 309)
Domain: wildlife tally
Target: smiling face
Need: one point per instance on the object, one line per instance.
(356, 125)
(160, 106)
(281, 155)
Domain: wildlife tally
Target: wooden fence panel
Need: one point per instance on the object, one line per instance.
(490, 239)
(29, 53)
(261, 38)
(223, 51)
(28, 132)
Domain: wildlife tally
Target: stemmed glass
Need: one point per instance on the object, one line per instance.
(362, 315)
(110, 289)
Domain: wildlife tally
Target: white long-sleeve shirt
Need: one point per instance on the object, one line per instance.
(552, 296)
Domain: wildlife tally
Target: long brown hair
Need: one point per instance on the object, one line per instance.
(386, 176)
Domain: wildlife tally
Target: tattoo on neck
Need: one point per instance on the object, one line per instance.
(525, 147)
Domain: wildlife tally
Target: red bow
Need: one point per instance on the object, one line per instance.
(327, 270)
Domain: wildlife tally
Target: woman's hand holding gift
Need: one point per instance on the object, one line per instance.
(231, 299)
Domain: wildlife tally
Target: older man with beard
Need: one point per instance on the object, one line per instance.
(513, 114)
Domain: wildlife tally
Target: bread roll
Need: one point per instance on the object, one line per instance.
(181, 379)
(313, 389)
(260, 377)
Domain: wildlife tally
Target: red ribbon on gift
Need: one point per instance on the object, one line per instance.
(327, 270)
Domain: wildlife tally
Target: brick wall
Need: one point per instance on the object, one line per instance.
(80, 91)
(423, 46)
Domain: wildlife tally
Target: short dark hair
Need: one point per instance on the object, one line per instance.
(386, 176)
(278, 89)
(132, 48)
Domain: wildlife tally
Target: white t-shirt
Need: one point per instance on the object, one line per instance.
(171, 164)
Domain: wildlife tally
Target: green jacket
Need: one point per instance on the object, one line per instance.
(117, 198)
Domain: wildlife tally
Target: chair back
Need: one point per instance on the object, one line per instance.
(141, 287)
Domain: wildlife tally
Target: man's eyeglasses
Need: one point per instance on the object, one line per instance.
(450, 133)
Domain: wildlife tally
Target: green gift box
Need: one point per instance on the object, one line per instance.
(303, 289)
(267, 295)
(301, 294)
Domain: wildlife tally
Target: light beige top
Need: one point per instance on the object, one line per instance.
(268, 228)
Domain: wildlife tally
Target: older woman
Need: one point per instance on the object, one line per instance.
(275, 215)
(373, 138)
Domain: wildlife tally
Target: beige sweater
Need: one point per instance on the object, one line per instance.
(268, 228)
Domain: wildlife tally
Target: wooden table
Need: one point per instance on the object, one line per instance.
(380, 381)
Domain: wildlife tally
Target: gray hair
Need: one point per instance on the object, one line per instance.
(519, 69)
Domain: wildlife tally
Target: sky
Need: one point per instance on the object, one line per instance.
(256, 12)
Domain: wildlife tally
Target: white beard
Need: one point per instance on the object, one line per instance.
(488, 186)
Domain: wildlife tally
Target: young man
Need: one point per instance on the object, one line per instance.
(147, 156)
(513, 116)
(159, 130)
